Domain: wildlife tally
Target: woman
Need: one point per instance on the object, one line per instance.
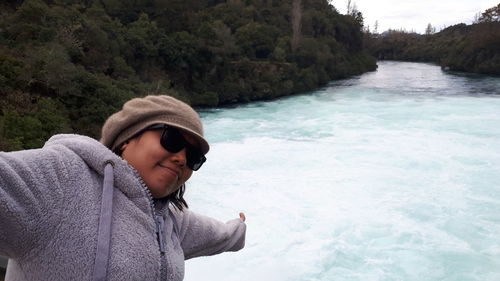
(78, 209)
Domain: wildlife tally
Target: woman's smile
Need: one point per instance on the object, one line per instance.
(172, 171)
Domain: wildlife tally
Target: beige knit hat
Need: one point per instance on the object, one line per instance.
(140, 113)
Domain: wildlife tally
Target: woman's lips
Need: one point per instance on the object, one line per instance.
(170, 170)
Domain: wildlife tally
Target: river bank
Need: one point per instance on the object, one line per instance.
(469, 48)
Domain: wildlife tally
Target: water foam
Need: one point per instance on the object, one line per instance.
(371, 178)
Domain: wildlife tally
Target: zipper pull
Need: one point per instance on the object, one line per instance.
(160, 226)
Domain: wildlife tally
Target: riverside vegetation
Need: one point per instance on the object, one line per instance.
(470, 48)
(65, 65)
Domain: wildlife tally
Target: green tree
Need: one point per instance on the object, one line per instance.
(256, 40)
(31, 22)
(491, 15)
(430, 29)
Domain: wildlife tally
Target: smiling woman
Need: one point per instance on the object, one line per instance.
(114, 208)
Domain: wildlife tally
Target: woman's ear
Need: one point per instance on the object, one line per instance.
(124, 145)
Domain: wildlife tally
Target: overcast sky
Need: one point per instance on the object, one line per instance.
(416, 14)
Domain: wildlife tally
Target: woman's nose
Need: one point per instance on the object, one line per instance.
(179, 157)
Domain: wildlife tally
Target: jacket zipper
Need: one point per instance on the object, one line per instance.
(160, 227)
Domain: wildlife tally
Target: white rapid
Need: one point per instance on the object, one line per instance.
(392, 175)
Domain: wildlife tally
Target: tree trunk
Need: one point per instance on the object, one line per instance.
(296, 23)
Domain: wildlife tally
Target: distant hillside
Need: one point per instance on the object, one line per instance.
(471, 48)
(66, 65)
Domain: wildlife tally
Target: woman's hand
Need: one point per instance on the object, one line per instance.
(242, 217)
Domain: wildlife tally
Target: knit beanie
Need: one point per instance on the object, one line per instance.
(140, 113)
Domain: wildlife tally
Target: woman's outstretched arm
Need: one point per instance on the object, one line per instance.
(204, 236)
(30, 196)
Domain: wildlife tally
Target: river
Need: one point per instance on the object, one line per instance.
(391, 175)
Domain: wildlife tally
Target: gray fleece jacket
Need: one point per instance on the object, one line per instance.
(53, 227)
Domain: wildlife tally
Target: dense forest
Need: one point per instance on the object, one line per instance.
(65, 65)
(471, 48)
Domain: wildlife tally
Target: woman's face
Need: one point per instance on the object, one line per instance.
(163, 172)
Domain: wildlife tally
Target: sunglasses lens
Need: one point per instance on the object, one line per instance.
(173, 141)
(195, 158)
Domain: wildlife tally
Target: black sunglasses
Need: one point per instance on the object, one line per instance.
(173, 141)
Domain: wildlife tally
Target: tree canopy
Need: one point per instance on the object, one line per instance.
(491, 15)
(66, 65)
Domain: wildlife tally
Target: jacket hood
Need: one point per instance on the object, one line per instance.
(90, 150)
(97, 156)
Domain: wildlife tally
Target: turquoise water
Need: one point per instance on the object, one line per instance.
(392, 175)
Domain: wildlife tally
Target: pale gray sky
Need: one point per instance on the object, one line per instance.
(416, 14)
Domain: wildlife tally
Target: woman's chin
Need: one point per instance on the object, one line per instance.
(161, 192)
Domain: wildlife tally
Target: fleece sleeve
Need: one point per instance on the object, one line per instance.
(30, 196)
(204, 236)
